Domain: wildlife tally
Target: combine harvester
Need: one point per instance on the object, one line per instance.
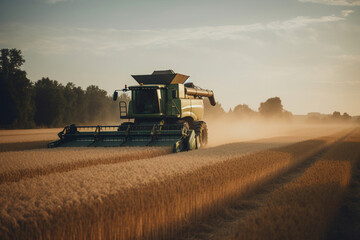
(166, 112)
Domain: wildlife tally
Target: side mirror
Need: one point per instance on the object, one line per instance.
(115, 96)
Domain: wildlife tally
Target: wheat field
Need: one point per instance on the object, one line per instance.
(302, 208)
(131, 193)
(16, 165)
(15, 140)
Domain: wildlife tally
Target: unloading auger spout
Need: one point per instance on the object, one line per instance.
(201, 93)
(163, 111)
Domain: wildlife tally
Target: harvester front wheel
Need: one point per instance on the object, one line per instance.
(201, 132)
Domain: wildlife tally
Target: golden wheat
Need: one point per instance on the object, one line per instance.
(13, 136)
(24, 164)
(142, 199)
(17, 165)
(14, 140)
(303, 208)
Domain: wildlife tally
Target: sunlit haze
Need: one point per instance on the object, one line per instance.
(306, 52)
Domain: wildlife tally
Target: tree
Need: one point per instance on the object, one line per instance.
(98, 103)
(213, 111)
(50, 103)
(287, 115)
(75, 104)
(346, 116)
(243, 110)
(272, 107)
(11, 60)
(16, 105)
(336, 115)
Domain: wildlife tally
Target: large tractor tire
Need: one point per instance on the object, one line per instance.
(201, 132)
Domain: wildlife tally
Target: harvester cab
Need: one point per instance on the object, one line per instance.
(163, 111)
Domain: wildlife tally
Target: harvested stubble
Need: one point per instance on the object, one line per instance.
(346, 224)
(18, 146)
(24, 164)
(304, 207)
(141, 199)
(32, 134)
(14, 140)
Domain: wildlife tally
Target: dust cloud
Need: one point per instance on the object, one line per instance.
(226, 130)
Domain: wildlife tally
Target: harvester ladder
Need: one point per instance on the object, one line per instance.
(123, 109)
(173, 106)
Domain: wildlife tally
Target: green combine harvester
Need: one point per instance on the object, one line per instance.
(166, 112)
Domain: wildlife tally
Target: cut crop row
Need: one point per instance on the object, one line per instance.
(142, 199)
(20, 146)
(15, 140)
(25, 164)
(304, 207)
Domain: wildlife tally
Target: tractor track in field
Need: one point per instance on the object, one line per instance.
(225, 224)
(59, 167)
(346, 224)
(19, 146)
(25, 140)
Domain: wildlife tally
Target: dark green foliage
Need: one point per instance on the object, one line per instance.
(58, 105)
(75, 97)
(48, 103)
(97, 103)
(16, 105)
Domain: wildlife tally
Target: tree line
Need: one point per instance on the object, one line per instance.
(271, 108)
(46, 102)
(335, 117)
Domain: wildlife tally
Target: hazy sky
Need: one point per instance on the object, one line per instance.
(307, 52)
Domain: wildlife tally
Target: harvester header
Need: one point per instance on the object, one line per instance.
(163, 111)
